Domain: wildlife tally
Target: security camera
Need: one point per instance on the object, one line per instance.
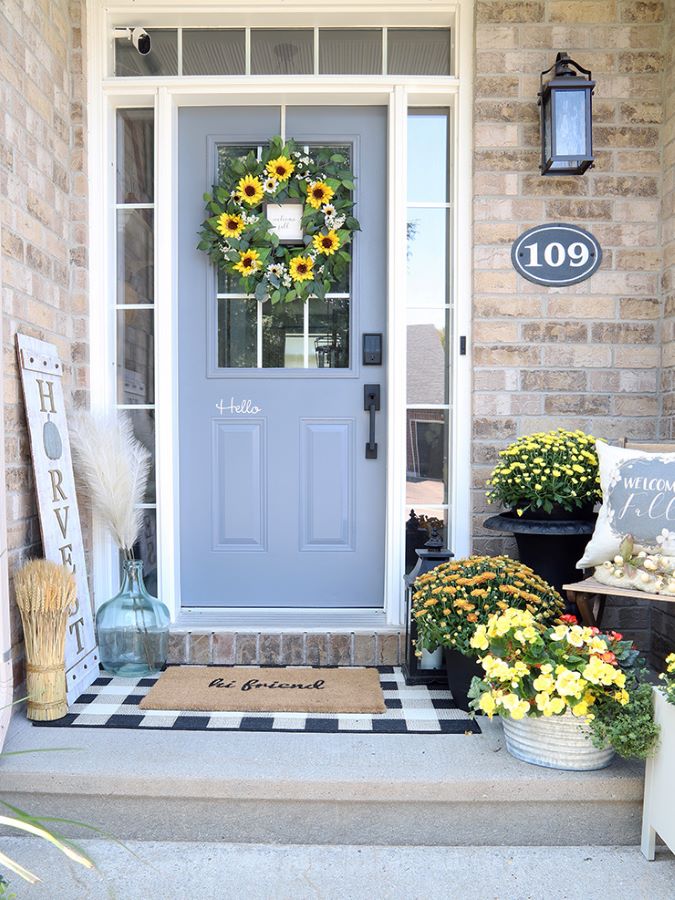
(139, 37)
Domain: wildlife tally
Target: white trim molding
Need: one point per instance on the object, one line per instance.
(166, 95)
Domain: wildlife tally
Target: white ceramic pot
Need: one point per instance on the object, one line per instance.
(557, 742)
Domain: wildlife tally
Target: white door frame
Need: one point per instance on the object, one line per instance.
(167, 95)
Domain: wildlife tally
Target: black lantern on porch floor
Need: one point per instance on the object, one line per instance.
(416, 671)
(566, 118)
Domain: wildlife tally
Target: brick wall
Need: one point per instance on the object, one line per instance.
(585, 356)
(588, 356)
(43, 216)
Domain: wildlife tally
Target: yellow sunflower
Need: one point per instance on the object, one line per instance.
(280, 168)
(319, 193)
(230, 225)
(249, 262)
(300, 268)
(251, 189)
(326, 243)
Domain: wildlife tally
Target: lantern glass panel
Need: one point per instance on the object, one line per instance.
(569, 122)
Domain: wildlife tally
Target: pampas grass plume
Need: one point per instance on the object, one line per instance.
(114, 467)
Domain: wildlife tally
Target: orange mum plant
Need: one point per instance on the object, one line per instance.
(452, 599)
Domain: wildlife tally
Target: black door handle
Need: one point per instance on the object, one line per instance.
(371, 403)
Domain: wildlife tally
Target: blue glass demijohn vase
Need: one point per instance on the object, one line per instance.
(133, 628)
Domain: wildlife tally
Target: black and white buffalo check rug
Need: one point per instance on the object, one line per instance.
(112, 702)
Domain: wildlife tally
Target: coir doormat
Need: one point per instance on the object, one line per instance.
(260, 689)
(112, 702)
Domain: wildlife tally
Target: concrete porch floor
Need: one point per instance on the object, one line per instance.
(266, 788)
(174, 871)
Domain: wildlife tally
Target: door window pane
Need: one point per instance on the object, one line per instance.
(427, 362)
(237, 333)
(135, 156)
(135, 256)
(283, 335)
(426, 456)
(418, 51)
(329, 334)
(354, 51)
(282, 51)
(218, 52)
(161, 60)
(427, 257)
(428, 157)
(135, 356)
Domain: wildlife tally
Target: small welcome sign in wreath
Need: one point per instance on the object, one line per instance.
(282, 223)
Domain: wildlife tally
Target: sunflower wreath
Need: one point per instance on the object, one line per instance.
(242, 242)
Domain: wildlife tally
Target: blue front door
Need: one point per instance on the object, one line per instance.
(279, 506)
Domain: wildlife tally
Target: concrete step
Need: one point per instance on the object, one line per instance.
(209, 871)
(371, 789)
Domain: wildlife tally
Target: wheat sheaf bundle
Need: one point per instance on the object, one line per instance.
(114, 467)
(45, 595)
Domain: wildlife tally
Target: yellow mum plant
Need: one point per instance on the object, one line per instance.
(533, 669)
(668, 679)
(546, 470)
(455, 598)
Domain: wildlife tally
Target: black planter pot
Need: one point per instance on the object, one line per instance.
(460, 670)
(559, 514)
(550, 547)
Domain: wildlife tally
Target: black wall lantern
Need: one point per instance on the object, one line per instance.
(566, 118)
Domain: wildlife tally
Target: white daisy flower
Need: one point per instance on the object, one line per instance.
(276, 269)
(328, 209)
(270, 185)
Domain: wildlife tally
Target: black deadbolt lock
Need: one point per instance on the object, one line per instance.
(372, 349)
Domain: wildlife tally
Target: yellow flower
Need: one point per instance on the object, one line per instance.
(487, 704)
(319, 193)
(230, 225)
(251, 189)
(520, 710)
(543, 683)
(300, 268)
(569, 684)
(249, 262)
(479, 639)
(326, 243)
(280, 168)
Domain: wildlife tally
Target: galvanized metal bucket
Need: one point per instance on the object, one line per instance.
(557, 742)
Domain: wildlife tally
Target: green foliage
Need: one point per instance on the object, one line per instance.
(540, 471)
(5, 892)
(252, 254)
(630, 729)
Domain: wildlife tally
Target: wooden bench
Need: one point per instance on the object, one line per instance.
(590, 597)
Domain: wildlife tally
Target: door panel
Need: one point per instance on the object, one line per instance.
(278, 504)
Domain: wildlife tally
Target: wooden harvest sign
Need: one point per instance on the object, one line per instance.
(41, 373)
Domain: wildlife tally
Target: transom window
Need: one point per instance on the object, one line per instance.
(289, 51)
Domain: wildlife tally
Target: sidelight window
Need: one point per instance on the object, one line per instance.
(135, 299)
(429, 329)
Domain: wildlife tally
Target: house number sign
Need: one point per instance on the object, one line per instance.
(41, 374)
(556, 255)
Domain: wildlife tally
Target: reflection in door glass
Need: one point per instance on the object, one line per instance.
(426, 456)
(283, 345)
(329, 334)
(237, 333)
